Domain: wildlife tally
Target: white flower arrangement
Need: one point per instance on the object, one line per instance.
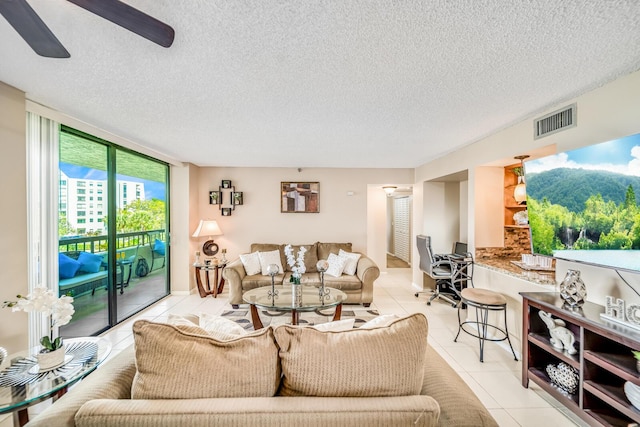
(43, 300)
(297, 265)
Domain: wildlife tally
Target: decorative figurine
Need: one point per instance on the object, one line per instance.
(561, 337)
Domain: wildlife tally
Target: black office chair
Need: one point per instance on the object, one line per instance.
(441, 269)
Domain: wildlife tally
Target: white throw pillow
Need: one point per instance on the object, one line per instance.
(218, 324)
(380, 321)
(272, 257)
(336, 325)
(251, 263)
(336, 265)
(351, 261)
(183, 319)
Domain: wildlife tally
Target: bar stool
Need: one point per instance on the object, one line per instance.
(484, 301)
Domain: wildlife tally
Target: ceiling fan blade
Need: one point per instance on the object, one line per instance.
(32, 29)
(130, 18)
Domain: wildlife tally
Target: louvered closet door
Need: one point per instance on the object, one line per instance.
(402, 227)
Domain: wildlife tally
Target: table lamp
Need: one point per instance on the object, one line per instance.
(208, 228)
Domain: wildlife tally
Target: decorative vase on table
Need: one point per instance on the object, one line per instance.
(572, 289)
(51, 359)
(296, 294)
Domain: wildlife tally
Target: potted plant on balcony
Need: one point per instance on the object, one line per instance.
(59, 311)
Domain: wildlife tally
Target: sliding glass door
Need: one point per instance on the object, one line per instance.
(113, 236)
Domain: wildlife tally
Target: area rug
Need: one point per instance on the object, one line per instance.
(242, 316)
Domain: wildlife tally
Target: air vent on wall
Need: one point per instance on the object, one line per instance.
(555, 122)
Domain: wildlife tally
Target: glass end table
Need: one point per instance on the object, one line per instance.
(23, 384)
(312, 300)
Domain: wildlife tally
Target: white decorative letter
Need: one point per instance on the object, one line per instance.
(633, 314)
(615, 310)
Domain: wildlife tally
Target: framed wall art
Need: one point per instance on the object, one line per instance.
(226, 183)
(226, 211)
(236, 198)
(300, 197)
(215, 197)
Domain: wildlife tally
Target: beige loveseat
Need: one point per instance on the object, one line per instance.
(358, 287)
(290, 375)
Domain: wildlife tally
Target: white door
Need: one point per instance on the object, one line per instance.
(402, 228)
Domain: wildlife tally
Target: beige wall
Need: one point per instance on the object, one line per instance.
(606, 113)
(342, 218)
(13, 216)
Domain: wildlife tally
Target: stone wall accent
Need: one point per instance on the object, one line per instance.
(516, 243)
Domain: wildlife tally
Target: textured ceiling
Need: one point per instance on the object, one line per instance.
(341, 83)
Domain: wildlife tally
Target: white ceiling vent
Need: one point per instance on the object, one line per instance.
(555, 122)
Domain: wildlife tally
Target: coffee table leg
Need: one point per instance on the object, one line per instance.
(294, 317)
(255, 318)
(20, 417)
(338, 313)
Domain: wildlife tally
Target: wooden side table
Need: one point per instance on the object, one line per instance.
(218, 280)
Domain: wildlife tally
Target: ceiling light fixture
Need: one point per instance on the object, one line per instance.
(389, 189)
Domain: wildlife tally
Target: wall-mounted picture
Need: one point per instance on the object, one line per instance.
(214, 197)
(300, 197)
(226, 211)
(236, 198)
(226, 183)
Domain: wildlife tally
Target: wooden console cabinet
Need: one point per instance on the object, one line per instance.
(604, 359)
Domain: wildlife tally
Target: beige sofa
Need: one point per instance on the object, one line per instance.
(398, 380)
(359, 287)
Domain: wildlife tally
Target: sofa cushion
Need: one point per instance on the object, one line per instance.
(251, 263)
(267, 247)
(258, 281)
(351, 261)
(182, 362)
(267, 258)
(89, 263)
(324, 249)
(310, 257)
(67, 266)
(344, 282)
(384, 361)
(336, 265)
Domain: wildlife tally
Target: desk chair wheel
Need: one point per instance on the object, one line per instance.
(416, 294)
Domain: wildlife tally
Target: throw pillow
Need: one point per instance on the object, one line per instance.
(218, 324)
(382, 320)
(183, 319)
(336, 325)
(159, 247)
(336, 265)
(67, 266)
(89, 263)
(251, 263)
(351, 261)
(175, 362)
(271, 257)
(386, 361)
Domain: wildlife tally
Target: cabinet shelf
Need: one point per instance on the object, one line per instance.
(613, 396)
(618, 364)
(544, 343)
(604, 360)
(540, 377)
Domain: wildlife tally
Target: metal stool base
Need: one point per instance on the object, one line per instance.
(481, 325)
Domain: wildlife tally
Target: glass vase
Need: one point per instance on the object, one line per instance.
(572, 289)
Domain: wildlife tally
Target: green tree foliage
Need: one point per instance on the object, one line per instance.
(64, 228)
(601, 224)
(141, 215)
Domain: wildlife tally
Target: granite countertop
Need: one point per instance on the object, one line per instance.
(504, 265)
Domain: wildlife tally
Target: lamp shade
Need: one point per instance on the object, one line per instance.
(207, 228)
(520, 192)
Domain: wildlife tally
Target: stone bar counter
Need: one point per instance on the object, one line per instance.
(499, 259)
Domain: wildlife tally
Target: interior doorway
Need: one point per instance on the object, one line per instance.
(399, 207)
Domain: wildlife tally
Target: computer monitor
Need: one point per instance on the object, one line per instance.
(460, 248)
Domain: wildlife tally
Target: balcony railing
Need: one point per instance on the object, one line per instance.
(96, 244)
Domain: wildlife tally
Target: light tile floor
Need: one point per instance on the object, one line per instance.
(496, 382)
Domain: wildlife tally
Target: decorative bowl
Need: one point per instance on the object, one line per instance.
(633, 393)
(564, 376)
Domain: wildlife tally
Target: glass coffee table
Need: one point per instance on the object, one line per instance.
(23, 384)
(283, 301)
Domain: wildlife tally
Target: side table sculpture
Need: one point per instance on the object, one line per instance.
(561, 337)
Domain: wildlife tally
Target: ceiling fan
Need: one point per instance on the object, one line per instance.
(37, 35)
